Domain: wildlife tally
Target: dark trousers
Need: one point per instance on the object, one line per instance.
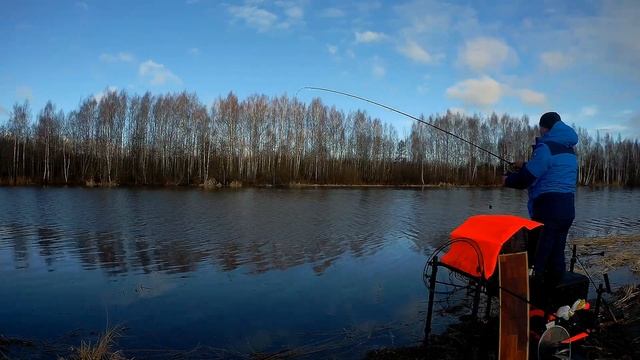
(549, 260)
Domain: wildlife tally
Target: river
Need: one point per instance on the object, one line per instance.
(329, 272)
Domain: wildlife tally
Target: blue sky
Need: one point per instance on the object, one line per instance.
(579, 58)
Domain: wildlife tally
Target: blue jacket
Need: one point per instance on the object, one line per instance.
(550, 175)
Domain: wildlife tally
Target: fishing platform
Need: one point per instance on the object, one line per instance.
(536, 320)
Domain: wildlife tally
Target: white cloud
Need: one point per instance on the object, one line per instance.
(194, 51)
(555, 60)
(633, 124)
(378, 70)
(265, 16)
(610, 38)
(119, 57)
(603, 40)
(255, 17)
(294, 12)
(589, 111)
(99, 95)
(531, 97)
(613, 129)
(486, 91)
(369, 37)
(82, 5)
(416, 53)
(24, 93)
(3, 111)
(437, 21)
(332, 13)
(157, 74)
(483, 91)
(332, 49)
(485, 53)
(628, 126)
(368, 6)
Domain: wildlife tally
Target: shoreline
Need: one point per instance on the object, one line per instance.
(441, 185)
(251, 186)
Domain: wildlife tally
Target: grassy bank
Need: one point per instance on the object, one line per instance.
(212, 185)
(613, 257)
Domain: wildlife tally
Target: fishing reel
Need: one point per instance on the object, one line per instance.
(514, 167)
(554, 344)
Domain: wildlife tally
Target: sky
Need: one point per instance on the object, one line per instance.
(579, 58)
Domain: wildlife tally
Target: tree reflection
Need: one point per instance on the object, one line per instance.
(111, 253)
(247, 231)
(118, 254)
(20, 246)
(47, 242)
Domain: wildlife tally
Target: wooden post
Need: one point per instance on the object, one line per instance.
(514, 307)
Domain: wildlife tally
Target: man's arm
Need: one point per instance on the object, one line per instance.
(530, 171)
(520, 179)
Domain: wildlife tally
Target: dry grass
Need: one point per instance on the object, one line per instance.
(6, 343)
(20, 181)
(101, 350)
(628, 302)
(620, 251)
(211, 184)
(619, 339)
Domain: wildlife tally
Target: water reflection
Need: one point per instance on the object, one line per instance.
(329, 271)
(144, 231)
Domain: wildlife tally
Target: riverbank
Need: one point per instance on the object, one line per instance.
(213, 185)
(239, 185)
(617, 338)
(614, 340)
(613, 259)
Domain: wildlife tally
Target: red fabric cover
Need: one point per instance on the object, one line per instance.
(489, 233)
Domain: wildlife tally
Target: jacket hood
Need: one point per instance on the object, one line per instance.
(561, 133)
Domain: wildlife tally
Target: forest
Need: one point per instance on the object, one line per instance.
(176, 140)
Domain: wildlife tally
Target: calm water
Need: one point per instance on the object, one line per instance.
(327, 272)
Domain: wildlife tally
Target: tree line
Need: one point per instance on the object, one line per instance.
(174, 139)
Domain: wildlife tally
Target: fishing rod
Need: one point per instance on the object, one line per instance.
(510, 163)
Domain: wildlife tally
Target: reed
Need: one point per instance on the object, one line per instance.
(101, 349)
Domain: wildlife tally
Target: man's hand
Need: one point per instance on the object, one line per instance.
(516, 166)
(505, 176)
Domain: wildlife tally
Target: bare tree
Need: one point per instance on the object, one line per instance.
(175, 139)
(19, 128)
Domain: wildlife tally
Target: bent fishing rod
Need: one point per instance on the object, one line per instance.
(510, 163)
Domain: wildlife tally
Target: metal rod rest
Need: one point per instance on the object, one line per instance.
(432, 289)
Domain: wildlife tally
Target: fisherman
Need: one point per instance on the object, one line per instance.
(550, 176)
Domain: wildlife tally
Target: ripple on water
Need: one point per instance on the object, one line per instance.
(230, 260)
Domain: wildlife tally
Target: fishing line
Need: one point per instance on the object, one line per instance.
(510, 163)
